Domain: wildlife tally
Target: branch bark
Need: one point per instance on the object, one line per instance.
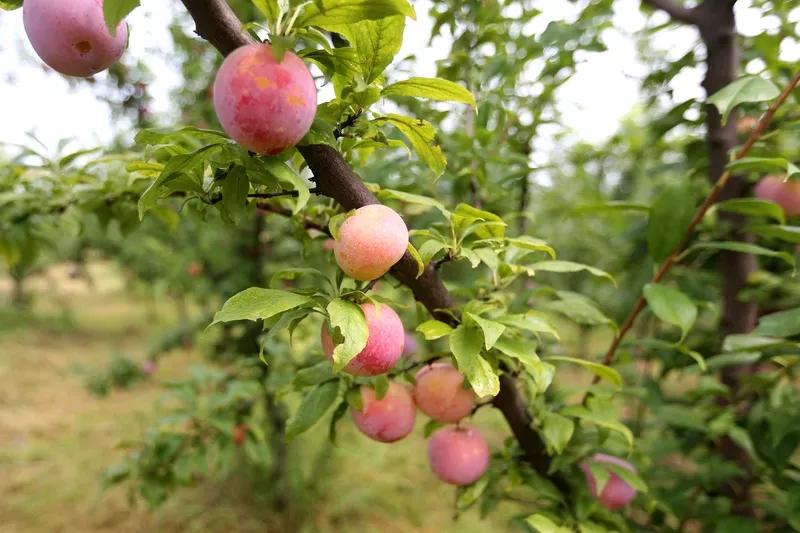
(216, 23)
(676, 11)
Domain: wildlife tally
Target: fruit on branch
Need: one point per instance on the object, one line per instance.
(411, 346)
(384, 343)
(784, 193)
(239, 434)
(265, 105)
(71, 35)
(616, 493)
(370, 242)
(458, 455)
(389, 419)
(441, 395)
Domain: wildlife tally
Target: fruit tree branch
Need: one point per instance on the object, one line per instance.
(216, 23)
(712, 197)
(676, 11)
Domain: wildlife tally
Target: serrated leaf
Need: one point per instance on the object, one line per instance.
(465, 343)
(744, 90)
(374, 44)
(434, 329)
(313, 407)
(753, 207)
(531, 244)
(256, 303)
(422, 136)
(430, 89)
(671, 306)
(312, 375)
(600, 370)
(670, 215)
(557, 431)
(349, 319)
(116, 10)
(234, 193)
(491, 330)
(329, 12)
(569, 266)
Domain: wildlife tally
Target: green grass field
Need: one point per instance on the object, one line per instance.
(56, 438)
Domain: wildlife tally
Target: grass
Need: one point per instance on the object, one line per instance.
(56, 439)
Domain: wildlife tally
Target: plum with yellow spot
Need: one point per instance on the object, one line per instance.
(440, 393)
(458, 455)
(71, 36)
(387, 419)
(264, 104)
(385, 342)
(370, 242)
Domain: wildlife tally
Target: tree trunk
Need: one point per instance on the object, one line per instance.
(718, 30)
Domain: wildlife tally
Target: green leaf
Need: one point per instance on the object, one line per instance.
(764, 164)
(744, 90)
(670, 215)
(434, 329)
(612, 206)
(491, 329)
(671, 306)
(745, 248)
(600, 370)
(348, 318)
(313, 375)
(784, 233)
(116, 10)
(257, 304)
(557, 431)
(465, 343)
(9, 5)
(422, 137)
(543, 524)
(753, 207)
(414, 253)
(579, 309)
(313, 407)
(410, 198)
(780, 324)
(532, 321)
(374, 44)
(328, 12)
(430, 89)
(569, 266)
(234, 193)
(600, 413)
(531, 244)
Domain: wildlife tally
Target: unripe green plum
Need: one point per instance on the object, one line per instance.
(370, 242)
(71, 35)
(440, 393)
(264, 105)
(458, 455)
(784, 193)
(389, 419)
(384, 343)
(616, 493)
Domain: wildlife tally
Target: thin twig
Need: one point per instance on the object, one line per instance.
(305, 221)
(716, 190)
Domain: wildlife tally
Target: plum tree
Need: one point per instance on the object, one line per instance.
(784, 193)
(458, 455)
(370, 242)
(388, 419)
(441, 395)
(384, 344)
(264, 104)
(71, 35)
(616, 493)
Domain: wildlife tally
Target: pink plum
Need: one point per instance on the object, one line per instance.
(784, 193)
(384, 343)
(616, 493)
(458, 455)
(440, 393)
(389, 419)
(264, 105)
(411, 346)
(370, 242)
(71, 35)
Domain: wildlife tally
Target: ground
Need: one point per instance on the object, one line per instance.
(56, 438)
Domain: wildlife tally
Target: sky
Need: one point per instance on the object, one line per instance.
(35, 100)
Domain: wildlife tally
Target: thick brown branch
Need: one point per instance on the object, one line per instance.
(219, 25)
(676, 11)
